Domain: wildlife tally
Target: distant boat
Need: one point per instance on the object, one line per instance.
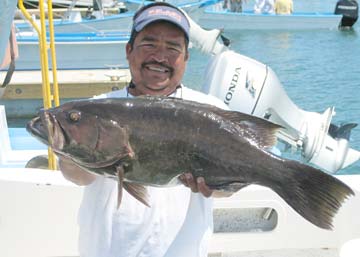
(75, 50)
(248, 20)
(187, 5)
(118, 22)
(77, 3)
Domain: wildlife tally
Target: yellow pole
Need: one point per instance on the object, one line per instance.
(28, 17)
(52, 160)
(53, 54)
(44, 57)
(43, 47)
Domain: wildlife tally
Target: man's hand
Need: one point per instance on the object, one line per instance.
(197, 186)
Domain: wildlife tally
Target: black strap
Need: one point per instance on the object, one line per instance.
(12, 63)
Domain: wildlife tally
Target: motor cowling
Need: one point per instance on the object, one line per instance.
(349, 9)
(249, 86)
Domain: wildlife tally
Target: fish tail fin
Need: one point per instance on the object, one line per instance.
(315, 195)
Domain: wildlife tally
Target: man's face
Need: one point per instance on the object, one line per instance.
(158, 59)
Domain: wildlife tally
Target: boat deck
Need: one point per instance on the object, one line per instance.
(23, 96)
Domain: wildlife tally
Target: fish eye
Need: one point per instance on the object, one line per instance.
(74, 116)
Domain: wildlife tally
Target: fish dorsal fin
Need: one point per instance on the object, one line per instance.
(255, 129)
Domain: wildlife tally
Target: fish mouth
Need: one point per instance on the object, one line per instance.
(48, 130)
(36, 128)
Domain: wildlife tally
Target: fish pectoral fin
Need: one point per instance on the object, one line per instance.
(138, 191)
(230, 187)
(120, 174)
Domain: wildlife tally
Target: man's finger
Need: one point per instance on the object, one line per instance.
(203, 188)
(191, 182)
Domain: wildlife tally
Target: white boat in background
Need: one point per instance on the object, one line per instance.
(208, 13)
(75, 50)
(113, 22)
(77, 3)
(187, 5)
(215, 16)
(193, 8)
(76, 23)
(86, 39)
(248, 20)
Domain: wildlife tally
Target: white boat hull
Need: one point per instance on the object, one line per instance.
(39, 208)
(212, 19)
(93, 52)
(39, 213)
(111, 23)
(83, 3)
(292, 233)
(118, 22)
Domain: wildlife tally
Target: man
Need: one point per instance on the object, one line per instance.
(236, 5)
(284, 6)
(264, 6)
(179, 222)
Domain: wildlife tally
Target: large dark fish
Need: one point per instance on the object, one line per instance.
(152, 140)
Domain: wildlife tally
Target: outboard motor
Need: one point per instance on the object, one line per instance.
(252, 87)
(350, 12)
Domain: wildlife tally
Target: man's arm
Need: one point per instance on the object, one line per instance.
(74, 173)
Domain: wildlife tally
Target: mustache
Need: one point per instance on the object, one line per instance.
(171, 69)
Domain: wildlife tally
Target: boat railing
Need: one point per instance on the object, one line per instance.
(50, 93)
(15, 157)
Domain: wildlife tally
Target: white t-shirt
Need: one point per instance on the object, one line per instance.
(178, 224)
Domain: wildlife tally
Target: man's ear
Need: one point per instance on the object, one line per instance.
(187, 55)
(128, 49)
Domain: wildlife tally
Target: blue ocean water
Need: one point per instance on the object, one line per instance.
(318, 69)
